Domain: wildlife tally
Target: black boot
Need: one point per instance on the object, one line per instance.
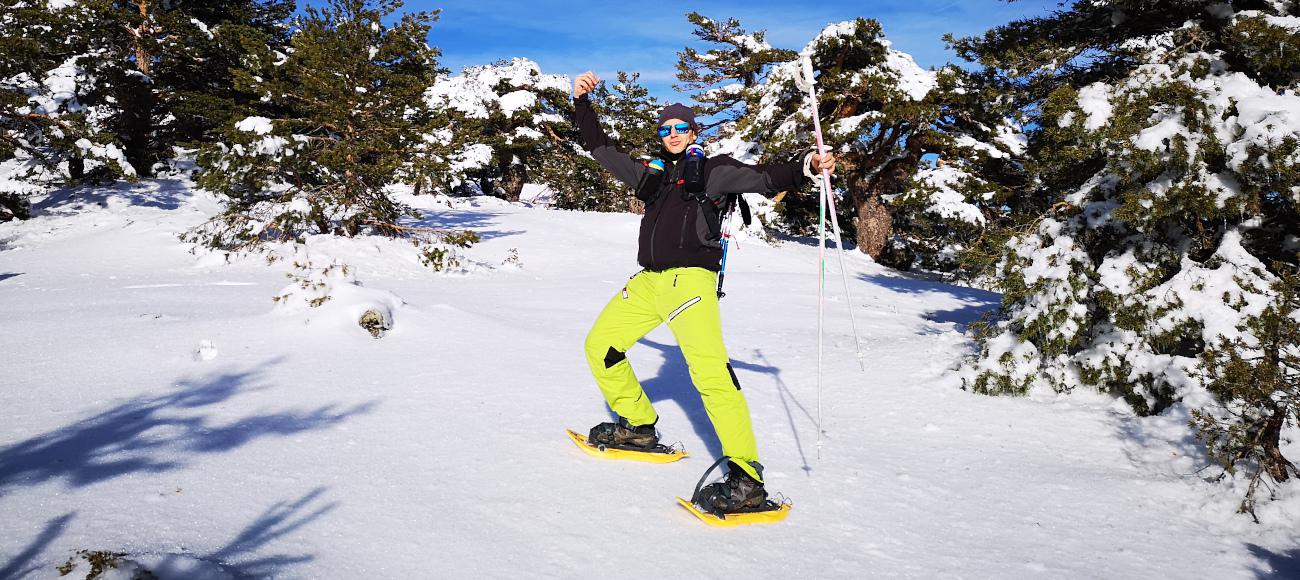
(624, 435)
(739, 492)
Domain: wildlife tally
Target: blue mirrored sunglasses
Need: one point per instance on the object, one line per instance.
(681, 129)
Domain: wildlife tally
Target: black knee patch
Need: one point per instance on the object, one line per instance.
(734, 380)
(614, 357)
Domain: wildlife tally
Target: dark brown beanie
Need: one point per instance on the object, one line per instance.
(679, 111)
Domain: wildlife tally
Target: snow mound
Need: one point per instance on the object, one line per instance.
(331, 298)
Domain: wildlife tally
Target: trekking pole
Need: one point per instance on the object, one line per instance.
(808, 82)
(830, 202)
(726, 237)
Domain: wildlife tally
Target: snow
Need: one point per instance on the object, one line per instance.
(913, 81)
(1013, 139)
(1094, 99)
(257, 125)
(110, 152)
(1159, 137)
(309, 449)
(474, 92)
(944, 200)
(59, 90)
(847, 28)
(750, 43)
(472, 157)
(517, 101)
(202, 27)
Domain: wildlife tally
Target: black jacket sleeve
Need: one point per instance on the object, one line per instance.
(727, 176)
(601, 147)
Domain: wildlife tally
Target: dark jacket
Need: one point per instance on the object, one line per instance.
(674, 229)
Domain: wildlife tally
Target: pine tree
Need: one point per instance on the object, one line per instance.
(1164, 164)
(163, 68)
(344, 116)
(198, 47)
(94, 90)
(51, 103)
(721, 77)
(628, 113)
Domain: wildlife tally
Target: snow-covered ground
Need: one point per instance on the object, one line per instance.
(156, 403)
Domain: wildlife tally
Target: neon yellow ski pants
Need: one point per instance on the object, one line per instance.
(685, 298)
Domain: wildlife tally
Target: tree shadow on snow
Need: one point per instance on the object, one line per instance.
(21, 564)
(673, 383)
(160, 193)
(477, 220)
(279, 520)
(975, 302)
(239, 557)
(1274, 565)
(154, 434)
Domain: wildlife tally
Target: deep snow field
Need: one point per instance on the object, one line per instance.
(155, 402)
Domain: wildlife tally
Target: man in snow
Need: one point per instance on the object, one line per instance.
(679, 251)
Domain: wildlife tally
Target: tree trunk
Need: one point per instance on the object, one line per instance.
(1270, 438)
(513, 178)
(1275, 463)
(137, 124)
(138, 100)
(874, 225)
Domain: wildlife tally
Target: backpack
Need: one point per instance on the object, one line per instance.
(694, 177)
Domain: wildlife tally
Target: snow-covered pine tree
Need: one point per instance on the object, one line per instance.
(975, 183)
(52, 102)
(27, 134)
(100, 89)
(1167, 148)
(342, 116)
(882, 114)
(720, 77)
(163, 68)
(628, 113)
(505, 118)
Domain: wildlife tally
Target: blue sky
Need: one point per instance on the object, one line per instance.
(571, 37)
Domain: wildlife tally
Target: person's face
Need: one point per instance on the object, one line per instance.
(677, 139)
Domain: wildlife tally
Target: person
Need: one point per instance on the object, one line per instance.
(679, 251)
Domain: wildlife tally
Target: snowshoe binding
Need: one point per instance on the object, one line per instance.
(738, 500)
(623, 435)
(622, 440)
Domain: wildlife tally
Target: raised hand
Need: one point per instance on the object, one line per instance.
(585, 83)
